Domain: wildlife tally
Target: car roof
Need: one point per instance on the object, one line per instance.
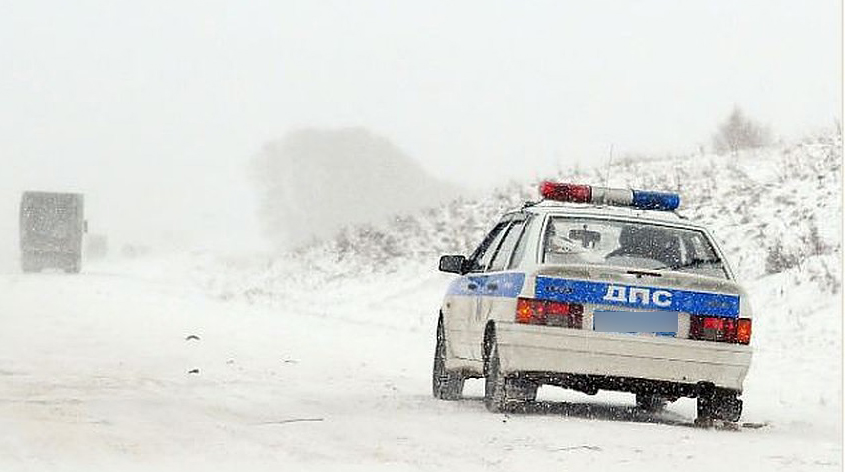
(545, 207)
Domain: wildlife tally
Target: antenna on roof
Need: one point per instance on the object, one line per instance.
(609, 163)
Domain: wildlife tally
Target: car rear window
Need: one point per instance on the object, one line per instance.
(646, 246)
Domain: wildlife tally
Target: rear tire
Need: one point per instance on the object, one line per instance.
(494, 381)
(445, 384)
(502, 393)
(718, 404)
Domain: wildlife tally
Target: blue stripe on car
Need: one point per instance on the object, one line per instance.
(603, 293)
(508, 284)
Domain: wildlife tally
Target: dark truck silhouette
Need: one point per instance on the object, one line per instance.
(51, 228)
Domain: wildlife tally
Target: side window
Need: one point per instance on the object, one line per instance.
(519, 251)
(481, 257)
(503, 254)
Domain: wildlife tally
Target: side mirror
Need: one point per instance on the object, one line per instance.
(453, 264)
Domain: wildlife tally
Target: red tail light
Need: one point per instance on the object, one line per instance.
(543, 312)
(726, 330)
(743, 331)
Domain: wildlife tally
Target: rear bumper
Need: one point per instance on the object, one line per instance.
(525, 348)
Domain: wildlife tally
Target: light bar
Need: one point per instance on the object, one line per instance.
(610, 196)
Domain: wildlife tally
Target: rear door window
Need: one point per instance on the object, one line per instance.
(519, 251)
(506, 249)
(484, 253)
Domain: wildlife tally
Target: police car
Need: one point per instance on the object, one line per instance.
(593, 289)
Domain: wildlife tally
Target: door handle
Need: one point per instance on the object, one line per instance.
(472, 286)
(492, 286)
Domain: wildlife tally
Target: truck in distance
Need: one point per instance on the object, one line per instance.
(51, 229)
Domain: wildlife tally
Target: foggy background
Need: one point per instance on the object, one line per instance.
(158, 111)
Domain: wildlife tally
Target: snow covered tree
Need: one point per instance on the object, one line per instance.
(739, 132)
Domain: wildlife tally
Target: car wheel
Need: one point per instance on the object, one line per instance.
(521, 390)
(651, 402)
(495, 397)
(718, 404)
(445, 384)
(502, 393)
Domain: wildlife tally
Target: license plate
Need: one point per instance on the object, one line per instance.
(660, 323)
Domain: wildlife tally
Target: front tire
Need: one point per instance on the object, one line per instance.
(445, 384)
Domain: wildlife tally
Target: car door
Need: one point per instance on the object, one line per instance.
(464, 304)
(497, 285)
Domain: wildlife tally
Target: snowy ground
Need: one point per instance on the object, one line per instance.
(94, 376)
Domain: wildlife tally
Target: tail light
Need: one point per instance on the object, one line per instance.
(726, 330)
(548, 313)
(743, 331)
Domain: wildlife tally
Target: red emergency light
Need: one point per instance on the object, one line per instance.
(566, 192)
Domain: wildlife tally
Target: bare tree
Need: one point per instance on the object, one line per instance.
(739, 132)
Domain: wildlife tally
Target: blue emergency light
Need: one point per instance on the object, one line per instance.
(642, 199)
(655, 200)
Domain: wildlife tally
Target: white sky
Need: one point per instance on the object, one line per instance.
(171, 98)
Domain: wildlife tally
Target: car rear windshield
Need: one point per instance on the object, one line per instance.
(644, 246)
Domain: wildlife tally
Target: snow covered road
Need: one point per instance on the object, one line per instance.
(95, 375)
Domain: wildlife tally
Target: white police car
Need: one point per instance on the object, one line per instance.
(596, 288)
